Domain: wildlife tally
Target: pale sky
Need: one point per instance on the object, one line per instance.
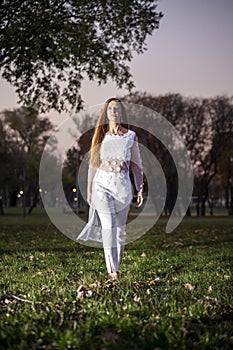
(191, 53)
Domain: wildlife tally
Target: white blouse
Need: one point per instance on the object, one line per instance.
(118, 153)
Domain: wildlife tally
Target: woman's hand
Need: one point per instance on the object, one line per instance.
(139, 199)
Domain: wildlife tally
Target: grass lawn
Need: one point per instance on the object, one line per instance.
(175, 291)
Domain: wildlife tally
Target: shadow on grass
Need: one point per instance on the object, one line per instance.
(44, 238)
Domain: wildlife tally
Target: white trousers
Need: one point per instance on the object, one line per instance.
(113, 235)
(112, 197)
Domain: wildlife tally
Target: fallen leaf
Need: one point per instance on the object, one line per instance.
(84, 294)
(151, 282)
(226, 277)
(82, 287)
(208, 299)
(7, 301)
(39, 273)
(95, 284)
(84, 291)
(178, 243)
(89, 253)
(89, 293)
(189, 287)
(211, 300)
(136, 299)
(184, 330)
(136, 284)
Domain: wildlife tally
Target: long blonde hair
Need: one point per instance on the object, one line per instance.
(102, 126)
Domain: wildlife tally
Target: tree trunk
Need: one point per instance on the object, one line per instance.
(198, 206)
(32, 207)
(230, 205)
(6, 196)
(171, 195)
(210, 207)
(227, 196)
(13, 199)
(34, 202)
(203, 201)
(1, 206)
(203, 208)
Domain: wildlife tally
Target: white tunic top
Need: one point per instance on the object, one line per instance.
(119, 152)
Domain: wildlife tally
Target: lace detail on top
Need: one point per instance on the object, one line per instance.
(115, 165)
(117, 146)
(116, 135)
(117, 154)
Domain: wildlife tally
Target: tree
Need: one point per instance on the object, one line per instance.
(196, 132)
(209, 134)
(170, 106)
(47, 47)
(28, 134)
(226, 172)
(3, 163)
(75, 156)
(221, 111)
(9, 165)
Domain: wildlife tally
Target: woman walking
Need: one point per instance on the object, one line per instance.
(114, 150)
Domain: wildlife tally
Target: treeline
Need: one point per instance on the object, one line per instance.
(205, 124)
(206, 127)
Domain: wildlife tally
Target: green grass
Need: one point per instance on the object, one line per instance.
(174, 291)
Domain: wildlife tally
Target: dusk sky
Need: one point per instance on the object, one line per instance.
(191, 53)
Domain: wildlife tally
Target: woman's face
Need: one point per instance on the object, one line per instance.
(114, 112)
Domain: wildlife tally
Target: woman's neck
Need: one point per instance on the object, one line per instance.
(114, 128)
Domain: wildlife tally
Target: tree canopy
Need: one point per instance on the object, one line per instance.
(47, 47)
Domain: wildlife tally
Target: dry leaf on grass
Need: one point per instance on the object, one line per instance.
(184, 330)
(189, 287)
(136, 284)
(84, 291)
(136, 299)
